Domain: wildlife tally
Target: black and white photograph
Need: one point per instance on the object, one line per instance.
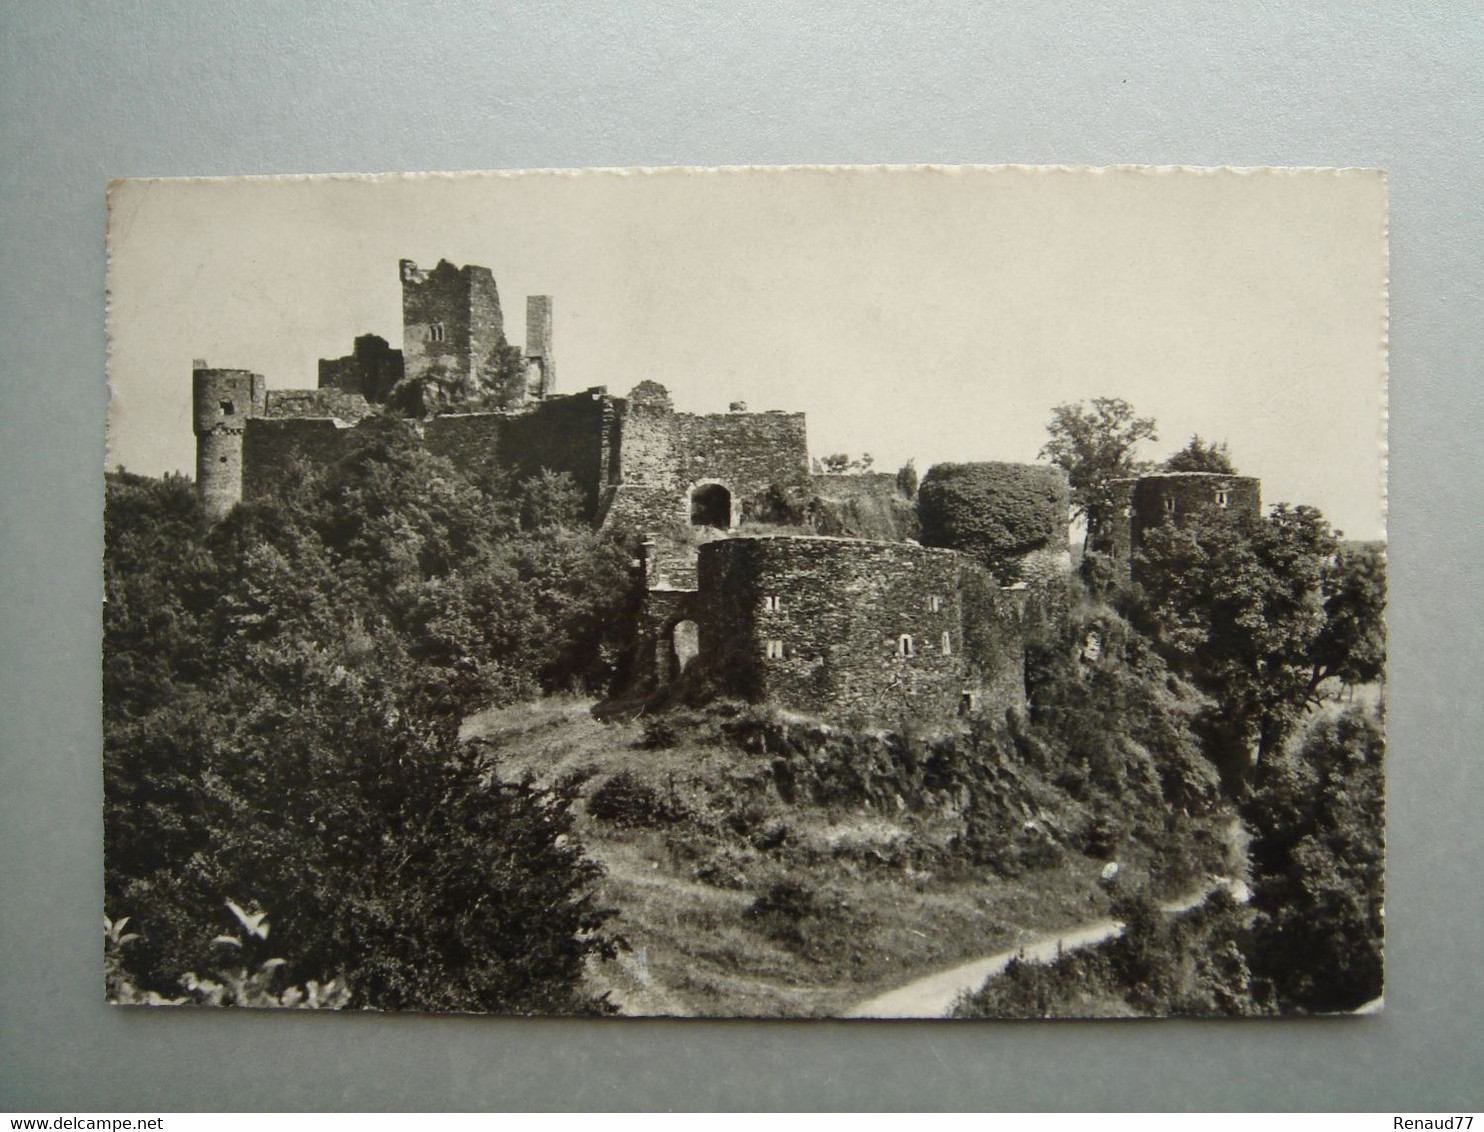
(802, 592)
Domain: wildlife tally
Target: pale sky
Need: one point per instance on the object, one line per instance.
(930, 313)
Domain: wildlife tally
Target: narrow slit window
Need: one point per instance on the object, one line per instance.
(935, 604)
(772, 604)
(435, 332)
(947, 645)
(1223, 498)
(1169, 506)
(904, 645)
(774, 650)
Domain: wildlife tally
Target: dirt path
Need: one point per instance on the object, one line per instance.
(934, 995)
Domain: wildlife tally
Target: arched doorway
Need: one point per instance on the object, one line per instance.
(711, 506)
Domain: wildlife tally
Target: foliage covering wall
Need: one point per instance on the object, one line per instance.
(996, 512)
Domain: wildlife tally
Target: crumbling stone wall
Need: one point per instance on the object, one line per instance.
(572, 434)
(371, 369)
(844, 487)
(661, 458)
(451, 319)
(744, 451)
(837, 627)
(277, 451)
(997, 622)
(470, 441)
(647, 449)
(486, 320)
(664, 610)
(304, 404)
(540, 358)
(862, 505)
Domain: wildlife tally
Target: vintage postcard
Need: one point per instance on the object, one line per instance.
(810, 592)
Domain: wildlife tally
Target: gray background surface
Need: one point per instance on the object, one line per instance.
(94, 91)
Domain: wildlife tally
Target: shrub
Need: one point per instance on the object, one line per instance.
(782, 911)
(660, 734)
(628, 802)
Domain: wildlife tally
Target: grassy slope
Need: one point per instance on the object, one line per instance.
(684, 888)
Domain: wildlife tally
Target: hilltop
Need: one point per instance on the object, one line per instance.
(766, 864)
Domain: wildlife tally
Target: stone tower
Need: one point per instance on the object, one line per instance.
(540, 365)
(451, 321)
(1172, 497)
(222, 401)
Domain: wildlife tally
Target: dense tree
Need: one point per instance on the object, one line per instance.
(1241, 605)
(1095, 445)
(1316, 819)
(499, 382)
(550, 499)
(1119, 720)
(1352, 645)
(282, 692)
(1199, 456)
(907, 479)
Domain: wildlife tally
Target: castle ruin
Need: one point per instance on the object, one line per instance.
(864, 629)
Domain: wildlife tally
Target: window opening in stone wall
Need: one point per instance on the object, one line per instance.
(711, 506)
(904, 645)
(968, 703)
(228, 408)
(947, 645)
(772, 604)
(935, 604)
(1223, 498)
(685, 644)
(1169, 506)
(774, 650)
(435, 332)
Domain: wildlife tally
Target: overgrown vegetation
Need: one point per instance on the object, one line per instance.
(1258, 621)
(1310, 941)
(282, 692)
(1187, 964)
(1260, 612)
(996, 512)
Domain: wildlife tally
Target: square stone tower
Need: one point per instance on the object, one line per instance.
(451, 321)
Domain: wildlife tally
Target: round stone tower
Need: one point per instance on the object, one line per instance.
(222, 401)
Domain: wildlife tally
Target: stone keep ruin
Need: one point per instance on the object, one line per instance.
(850, 629)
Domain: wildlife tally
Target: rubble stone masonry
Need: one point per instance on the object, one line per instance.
(838, 627)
